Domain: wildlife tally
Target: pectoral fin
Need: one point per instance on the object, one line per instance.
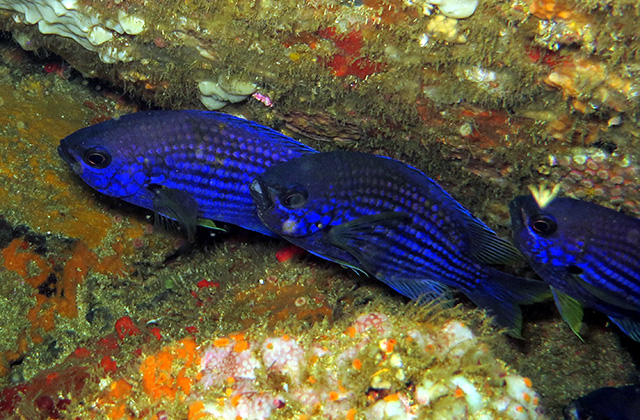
(176, 205)
(356, 235)
(570, 309)
(210, 224)
(358, 238)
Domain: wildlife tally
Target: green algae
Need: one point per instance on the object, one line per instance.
(15, 301)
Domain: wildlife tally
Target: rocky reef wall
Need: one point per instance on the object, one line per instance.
(491, 94)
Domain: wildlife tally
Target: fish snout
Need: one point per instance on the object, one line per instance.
(70, 158)
(260, 194)
(64, 153)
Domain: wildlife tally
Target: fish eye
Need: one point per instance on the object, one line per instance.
(97, 158)
(543, 224)
(294, 198)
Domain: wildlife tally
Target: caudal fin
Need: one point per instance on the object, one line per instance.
(502, 294)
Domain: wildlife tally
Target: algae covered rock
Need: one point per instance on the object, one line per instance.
(425, 363)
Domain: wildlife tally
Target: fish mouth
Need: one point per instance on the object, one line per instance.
(66, 155)
(260, 194)
(69, 157)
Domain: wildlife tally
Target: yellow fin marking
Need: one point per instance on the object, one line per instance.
(544, 195)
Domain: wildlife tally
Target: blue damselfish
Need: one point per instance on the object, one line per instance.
(382, 215)
(621, 403)
(589, 254)
(190, 166)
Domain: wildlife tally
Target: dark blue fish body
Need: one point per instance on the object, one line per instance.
(185, 165)
(621, 403)
(392, 220)
(588, 254)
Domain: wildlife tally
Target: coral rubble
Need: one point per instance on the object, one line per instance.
(374, 365)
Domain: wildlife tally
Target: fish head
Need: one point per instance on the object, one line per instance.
(103, 160)
(289, 202)
(553, 237)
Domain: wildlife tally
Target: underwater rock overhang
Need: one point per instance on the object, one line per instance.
(518, 92)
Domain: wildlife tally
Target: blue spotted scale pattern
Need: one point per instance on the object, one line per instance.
(192, 166)
(396, 223)
(588, 254)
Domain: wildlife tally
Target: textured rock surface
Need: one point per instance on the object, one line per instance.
(506, 97)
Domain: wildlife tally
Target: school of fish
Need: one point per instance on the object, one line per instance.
(367, 212)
